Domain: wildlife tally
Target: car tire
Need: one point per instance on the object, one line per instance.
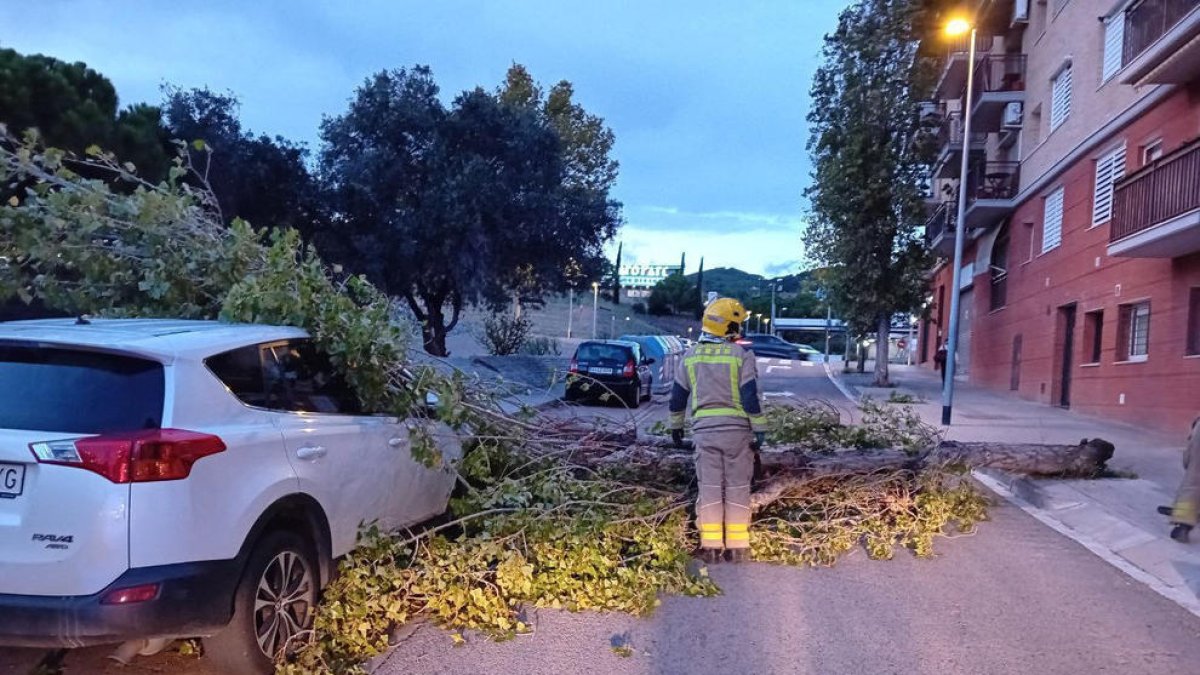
(633, 398)
(282, 566)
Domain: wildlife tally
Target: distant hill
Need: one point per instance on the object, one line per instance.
(732, 282)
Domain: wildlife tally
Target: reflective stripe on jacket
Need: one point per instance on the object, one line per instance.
(721, 380)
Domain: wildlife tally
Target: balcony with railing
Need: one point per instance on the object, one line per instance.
(999, 82)
(1161, 42)
(992, 189)
(939, 229)
(950, 145)
(953, 77)
(1156, 211)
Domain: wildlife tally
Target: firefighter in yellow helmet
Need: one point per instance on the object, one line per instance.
(721, 380)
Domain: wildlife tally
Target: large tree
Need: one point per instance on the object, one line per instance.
(73, 107)
(867, 192)
(447, 206)
(257, 178)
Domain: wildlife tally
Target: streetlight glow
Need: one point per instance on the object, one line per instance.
(958, 26)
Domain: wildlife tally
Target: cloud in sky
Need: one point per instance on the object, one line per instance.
(708, 99)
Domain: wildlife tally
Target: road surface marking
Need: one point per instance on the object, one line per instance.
(806, 364)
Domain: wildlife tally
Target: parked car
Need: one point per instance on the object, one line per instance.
(773, 346)
(163, 479)
(618, 367)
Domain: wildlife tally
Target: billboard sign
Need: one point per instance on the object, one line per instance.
(646, 276)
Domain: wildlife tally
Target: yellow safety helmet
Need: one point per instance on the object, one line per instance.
(723, 317)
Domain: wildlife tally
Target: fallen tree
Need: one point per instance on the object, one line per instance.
(550, 513)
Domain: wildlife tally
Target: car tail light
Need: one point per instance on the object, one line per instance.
(134, 457)
(574, 366)
(128, 596)
(629, 368)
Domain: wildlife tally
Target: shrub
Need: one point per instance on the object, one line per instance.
(504, 335)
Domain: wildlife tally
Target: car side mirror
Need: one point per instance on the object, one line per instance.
(648, 361)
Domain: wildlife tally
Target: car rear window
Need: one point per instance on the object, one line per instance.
(601, 352)
(72, 391)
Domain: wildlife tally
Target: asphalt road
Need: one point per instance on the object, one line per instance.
(1015, 597)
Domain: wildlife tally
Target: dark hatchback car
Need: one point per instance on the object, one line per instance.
(772, 346)
(618, 367)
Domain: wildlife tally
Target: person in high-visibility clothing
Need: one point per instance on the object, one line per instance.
(721, 379)
(1185, 512)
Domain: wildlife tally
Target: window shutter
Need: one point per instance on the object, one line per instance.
(1052, 220)
(1060, 99)
(1114, 44)
(1109, 169)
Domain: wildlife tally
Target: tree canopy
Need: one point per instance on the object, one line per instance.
(447, 206)
(867, 192)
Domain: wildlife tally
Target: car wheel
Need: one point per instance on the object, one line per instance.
(274, 603)
(633, 398)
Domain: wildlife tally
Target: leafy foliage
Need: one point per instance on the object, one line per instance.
(467, 204)
(817, 426)
(259, 179)
(504, 334)
(673, 295)
(867, 193)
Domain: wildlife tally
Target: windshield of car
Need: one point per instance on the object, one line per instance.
(72, 391)
(598, 352)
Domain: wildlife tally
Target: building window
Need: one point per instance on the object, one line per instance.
(1052, 219)
(1093, 332)
(1193, 325)
(1152, 151)
(1060, 98)
(1114, 45)
(1133, 332)
(999, 269)
(1110, 168)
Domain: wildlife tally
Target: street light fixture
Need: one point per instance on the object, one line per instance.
(955, 27)
(595, 304)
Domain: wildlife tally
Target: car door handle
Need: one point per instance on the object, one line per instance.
(310, 452)
(396, 442)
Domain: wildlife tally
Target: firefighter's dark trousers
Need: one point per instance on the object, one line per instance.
(724, 465)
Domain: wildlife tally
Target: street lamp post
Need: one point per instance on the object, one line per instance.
(758, 326)
(570, 310)
(772, 319)
(595, 305)
(959, 27)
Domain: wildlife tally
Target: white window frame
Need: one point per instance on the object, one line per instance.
(1060, 97)
(1052, 219)
(1138, 309)
(1114, 46)
(1110, 168)
(1154, 147)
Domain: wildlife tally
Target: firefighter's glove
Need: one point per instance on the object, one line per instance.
(759, 438)
(677, 437)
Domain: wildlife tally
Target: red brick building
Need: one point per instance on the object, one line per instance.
(1082, 260)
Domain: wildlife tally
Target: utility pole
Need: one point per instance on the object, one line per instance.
(570, 310)
(772, 321)
(595, 305)
(828, 328)
(959, 235)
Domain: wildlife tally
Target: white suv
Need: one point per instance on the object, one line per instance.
(164, 479)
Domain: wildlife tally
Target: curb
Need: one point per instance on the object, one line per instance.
(841, 386)
(1181, 596)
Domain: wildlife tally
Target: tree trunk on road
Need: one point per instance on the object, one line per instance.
(788, 467)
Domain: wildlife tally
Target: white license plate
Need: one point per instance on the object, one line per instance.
(600, 371)
(12, 480)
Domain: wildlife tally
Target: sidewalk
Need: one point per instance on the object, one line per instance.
(1115, 518)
